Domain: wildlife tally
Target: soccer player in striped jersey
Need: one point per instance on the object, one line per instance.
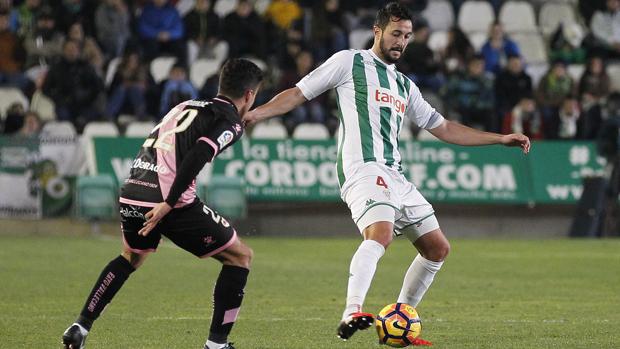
(373, 99)
(159, 198)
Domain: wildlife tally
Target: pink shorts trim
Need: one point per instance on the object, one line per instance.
(230, 242)
(147, 204)
(134, 250)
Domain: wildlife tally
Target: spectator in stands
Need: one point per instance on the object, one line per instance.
(329, 34)
(176, 89)
(160, 28)
(283, 13)
(568, 115)
(44, 45)
(311, 111)
(74, 86)
(202, 29)
(512, 85)
(524, 118)
(90, 51)
(497, 48)
(553, 88)
(604, 26)
(12, 56)
(594, 87)
(112, 27)
(27, 17)
(457, 53)
(565, 44)
(244, 31)
(13, 15)
(32, 125)
(128, 88)
(471, 95)
(587, 8)
(68, 12)
(419, 62)
(14, 119)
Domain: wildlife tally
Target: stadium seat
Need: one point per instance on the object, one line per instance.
(43, 105)
(269, 130)
(202, 69)
(223, 8)
(10, 95)
(440, 15)
(518, 16)
(477, 39)
(536, 72)
(613, 70)
(476, 16)
(311, 131)
(160, 67)
(359, 37)
(261, 6)
(552, 14)
(58, 129)
(100, 128)
(227, 196)
(532, 47)
(438, 41)
(139, 129)
(111, 71)
(405, 132)
(576, 71)
(96, 197)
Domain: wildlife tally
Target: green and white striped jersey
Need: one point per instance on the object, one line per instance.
(373, 98)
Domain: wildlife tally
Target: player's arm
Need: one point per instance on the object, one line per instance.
(455, 133)
(282, 103)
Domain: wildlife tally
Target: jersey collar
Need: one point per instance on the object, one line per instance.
(224, 99)
(374, 55)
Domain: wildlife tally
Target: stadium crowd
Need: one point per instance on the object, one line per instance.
(102, 60)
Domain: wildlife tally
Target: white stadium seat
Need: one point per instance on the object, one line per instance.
(532, 47)
(536, 71)
(438, 41)
(261, 6)
(476, 16)
(405, 133)
(139, 129)
(160, 67)
(424, 135)
(100, 128)
(224, 7)
(439, 14)
(310, 131)
(477, 39)
(613, 70)
(518, 16)
(269, 130)
(58, 129)
(202, 69)
(576, 71)
(10, 95)
(43, 105)
(359, 37)
(552, 14)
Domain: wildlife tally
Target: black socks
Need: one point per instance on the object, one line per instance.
(227, 297)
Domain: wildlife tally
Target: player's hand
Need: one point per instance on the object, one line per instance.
(517, 140)
(153, 217)
(250, 118)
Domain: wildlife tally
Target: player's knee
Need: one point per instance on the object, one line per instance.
(439, 252)
(135, 259)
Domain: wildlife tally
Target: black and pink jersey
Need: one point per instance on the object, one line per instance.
(190, 135)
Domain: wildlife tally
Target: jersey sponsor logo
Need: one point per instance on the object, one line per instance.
(194, 103)
(225, 138)
(131, 212)
(385, 98)
(145, 165)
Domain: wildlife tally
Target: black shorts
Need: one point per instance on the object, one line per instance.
(196, 228)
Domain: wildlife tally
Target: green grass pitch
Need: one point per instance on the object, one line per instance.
(490, 294)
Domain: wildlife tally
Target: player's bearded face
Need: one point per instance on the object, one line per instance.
(394, 40)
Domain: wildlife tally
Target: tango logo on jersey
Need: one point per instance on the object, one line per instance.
(145, 165)
(225, 138)
(386, 98)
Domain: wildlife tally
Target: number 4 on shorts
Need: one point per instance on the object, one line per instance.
(381, 182)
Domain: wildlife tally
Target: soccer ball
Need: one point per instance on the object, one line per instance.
(398, 325)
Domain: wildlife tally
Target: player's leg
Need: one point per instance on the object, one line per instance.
(114, 274)
(110, 281)
(203, 232)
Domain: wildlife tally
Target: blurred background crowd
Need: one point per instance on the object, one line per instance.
(544, 68)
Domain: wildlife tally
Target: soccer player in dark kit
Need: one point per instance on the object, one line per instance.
(159, 198)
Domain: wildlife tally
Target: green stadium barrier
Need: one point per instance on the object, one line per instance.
(96, 197)
(227, 196)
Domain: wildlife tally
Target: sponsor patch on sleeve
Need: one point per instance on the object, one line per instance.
(225, 138)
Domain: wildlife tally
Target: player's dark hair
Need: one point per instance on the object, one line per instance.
(239, 75)
(392, 11)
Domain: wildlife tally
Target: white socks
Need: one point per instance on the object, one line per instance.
(213, 345)
(361, 272)
(417, 280)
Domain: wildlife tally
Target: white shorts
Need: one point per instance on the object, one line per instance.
(385, 195)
